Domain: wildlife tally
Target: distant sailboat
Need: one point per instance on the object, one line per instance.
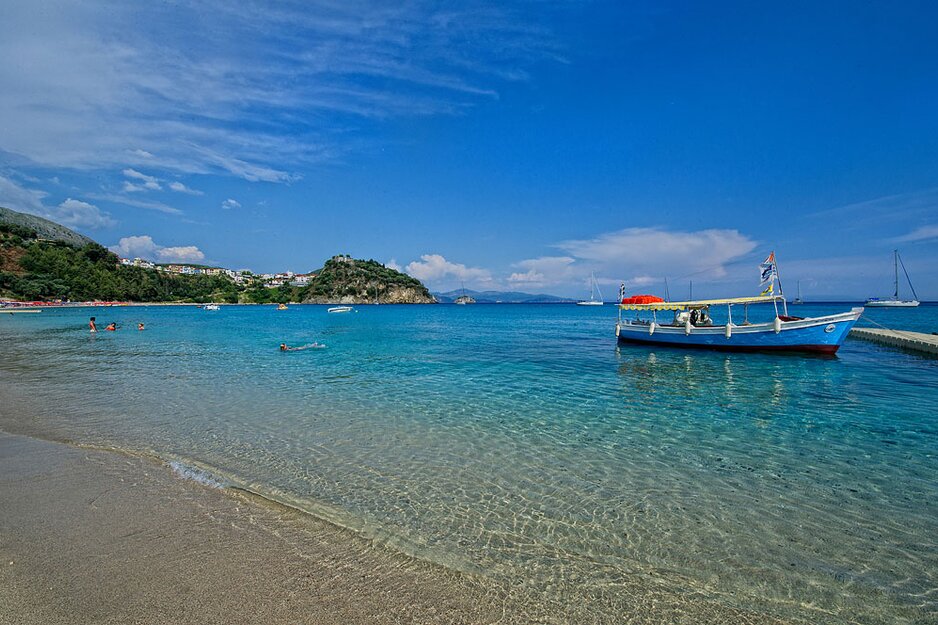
(894, 301)
(594, 288)
(464, 299)
(798, 299)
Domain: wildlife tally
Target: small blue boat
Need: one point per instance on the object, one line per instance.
(691, 327)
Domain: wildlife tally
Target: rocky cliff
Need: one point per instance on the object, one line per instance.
(345, 280)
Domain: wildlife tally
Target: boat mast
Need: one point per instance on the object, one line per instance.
(780, 290)
(895, 261)
(906, 272)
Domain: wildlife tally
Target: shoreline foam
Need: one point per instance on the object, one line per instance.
(105, 536)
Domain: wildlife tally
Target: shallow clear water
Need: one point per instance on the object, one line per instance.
(519, 442)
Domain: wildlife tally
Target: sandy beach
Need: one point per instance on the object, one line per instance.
(89, 536)
(93, 536)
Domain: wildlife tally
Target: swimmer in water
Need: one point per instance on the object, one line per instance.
(111, 327)
(139, 326)
(284, 348)
(93, 326)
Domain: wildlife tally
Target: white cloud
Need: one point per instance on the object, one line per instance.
(178, 187)
(182, 254)
(143, 246)
(923, 233)
(17, 197)
(392, 264)
(436, 267)
(71, 213)
(77, 214)
(655, 251)
(147, 183)
(127, 201)
(230, 203)
(98, 84)
(542, 271)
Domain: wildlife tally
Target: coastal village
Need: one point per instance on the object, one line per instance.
(241, 277)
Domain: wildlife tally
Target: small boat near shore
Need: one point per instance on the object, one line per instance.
(339, 309)
(211, 307)
(692, 326)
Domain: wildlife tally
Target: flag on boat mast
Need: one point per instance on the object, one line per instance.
(768, 272)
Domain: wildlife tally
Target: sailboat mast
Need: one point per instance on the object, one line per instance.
(908, 279)
(895, 260)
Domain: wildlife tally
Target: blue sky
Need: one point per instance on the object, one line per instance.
(504, 145)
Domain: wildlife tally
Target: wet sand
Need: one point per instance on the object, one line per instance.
(92, 536)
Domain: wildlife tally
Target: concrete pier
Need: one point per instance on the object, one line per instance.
(913, 341)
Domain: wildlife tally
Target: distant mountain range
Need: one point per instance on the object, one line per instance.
(502, 297)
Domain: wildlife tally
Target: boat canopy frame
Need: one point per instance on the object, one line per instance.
(705, 303)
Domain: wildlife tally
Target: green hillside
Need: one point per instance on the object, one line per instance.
(345, 280)
(35, 267)
(42, 260)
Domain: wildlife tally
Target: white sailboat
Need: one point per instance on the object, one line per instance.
(594, 288)
(464, 299)
(894, 301)
(798, 299)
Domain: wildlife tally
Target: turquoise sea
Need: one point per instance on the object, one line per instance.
(520, 443)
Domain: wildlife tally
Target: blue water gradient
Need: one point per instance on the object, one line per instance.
(519, 442)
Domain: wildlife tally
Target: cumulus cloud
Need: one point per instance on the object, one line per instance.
(182, 254)
(78, 214)
(436, 267)
(392, 264)
(143, 246)
(230, 203)
(543, 271)
(72, 213)
(656, 251)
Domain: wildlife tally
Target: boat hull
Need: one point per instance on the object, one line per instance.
(822, 335)
(891, 303)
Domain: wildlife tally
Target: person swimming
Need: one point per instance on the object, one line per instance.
(111, 327)
(140, 326)
(313, 345)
